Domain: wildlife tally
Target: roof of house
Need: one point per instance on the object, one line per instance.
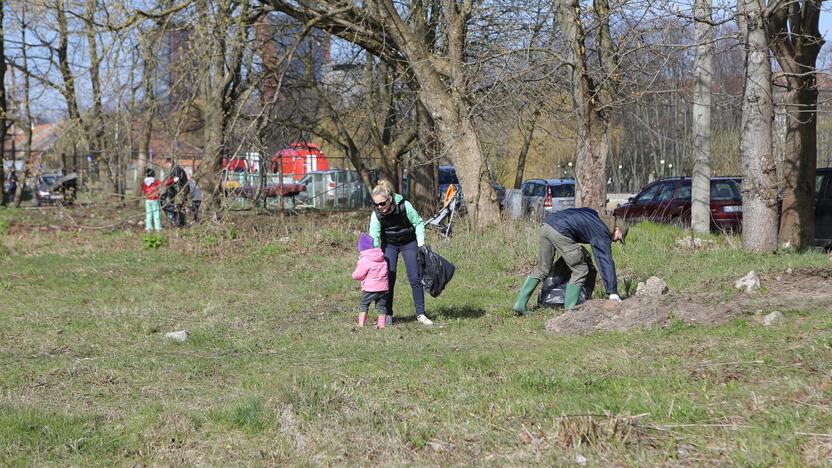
(44, 137)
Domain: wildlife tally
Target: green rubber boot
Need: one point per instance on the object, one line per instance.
(571, 296)
(525, 293)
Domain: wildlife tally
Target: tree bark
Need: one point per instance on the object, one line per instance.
(703, 73)
(95, 125)
(528, 132)
(3, 108)
(221, 83)
(759, 187)
(30, 173)
(796, 41)
(591, 101)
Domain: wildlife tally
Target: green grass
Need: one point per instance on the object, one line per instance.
(275, 372)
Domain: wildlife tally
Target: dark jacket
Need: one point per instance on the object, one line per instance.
(396, 228)
(584, 226)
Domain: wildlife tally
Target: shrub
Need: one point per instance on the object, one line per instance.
(154, 241)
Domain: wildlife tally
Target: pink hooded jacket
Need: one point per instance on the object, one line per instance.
(371, 270)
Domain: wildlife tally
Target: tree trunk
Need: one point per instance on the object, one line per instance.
(796, 41)
(450, 112)
(703, 72)
(3, 109)
(528, 132)
(797, 222)
(147, 118)
(222, 63)
(759, 187)
(590, 103)
(31, 172)
(95, 127)
(441, 76)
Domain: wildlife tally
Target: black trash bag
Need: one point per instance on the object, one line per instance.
(175, 196)
(554, 286)
(434, 270)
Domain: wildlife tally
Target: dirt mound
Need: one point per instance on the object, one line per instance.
(792, 289)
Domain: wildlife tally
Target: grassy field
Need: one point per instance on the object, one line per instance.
(275, 372)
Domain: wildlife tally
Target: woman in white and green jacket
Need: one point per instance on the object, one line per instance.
(397, 228)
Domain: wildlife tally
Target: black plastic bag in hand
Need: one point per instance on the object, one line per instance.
(434, 270)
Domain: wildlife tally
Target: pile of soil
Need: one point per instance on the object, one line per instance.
(800, 288)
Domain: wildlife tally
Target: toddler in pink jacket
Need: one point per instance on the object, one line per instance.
(371, 270)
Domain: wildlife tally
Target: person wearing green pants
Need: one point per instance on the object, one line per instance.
(564, 232)
(151, 188)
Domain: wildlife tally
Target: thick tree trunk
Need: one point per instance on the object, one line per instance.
(450, 111)
(703, 72)
(797, 222)
(759, 187)
(590, 105)
(221, 68)
(796, 41)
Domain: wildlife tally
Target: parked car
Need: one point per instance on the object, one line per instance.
(823, 207)
(334, 188)
(669, 201)
(448, 177)
(54, 187)
(544, 196)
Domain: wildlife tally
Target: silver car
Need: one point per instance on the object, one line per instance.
(544, 196)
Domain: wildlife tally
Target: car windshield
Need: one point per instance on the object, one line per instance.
(49, 180)
(562, 190)
(724, 190)
(447, 176)
(720, 190)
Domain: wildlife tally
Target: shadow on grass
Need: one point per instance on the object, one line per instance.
(461, 312)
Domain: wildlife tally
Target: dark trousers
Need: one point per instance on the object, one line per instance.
(195, 209)
(409, 254)
(368, 297)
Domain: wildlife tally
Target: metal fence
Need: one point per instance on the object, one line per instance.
(336, 190)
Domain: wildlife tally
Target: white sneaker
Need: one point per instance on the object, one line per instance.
(424, 320)
(388, 320)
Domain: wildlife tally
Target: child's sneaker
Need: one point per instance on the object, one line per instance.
(424, 320)
(362, 319)
(381, 322)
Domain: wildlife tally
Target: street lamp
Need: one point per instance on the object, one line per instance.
(670, 166)
(661, 162)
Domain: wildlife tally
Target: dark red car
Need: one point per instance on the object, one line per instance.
(668, 201)
(823, 207)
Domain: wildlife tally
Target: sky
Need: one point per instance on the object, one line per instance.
(47, 104)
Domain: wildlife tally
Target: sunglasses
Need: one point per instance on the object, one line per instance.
(379, 205)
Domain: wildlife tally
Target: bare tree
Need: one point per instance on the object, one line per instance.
(30, 171)
(759, 187)
(441, 73)
(591, 99)
(703, 72)
(222, 34)
(796, 41)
